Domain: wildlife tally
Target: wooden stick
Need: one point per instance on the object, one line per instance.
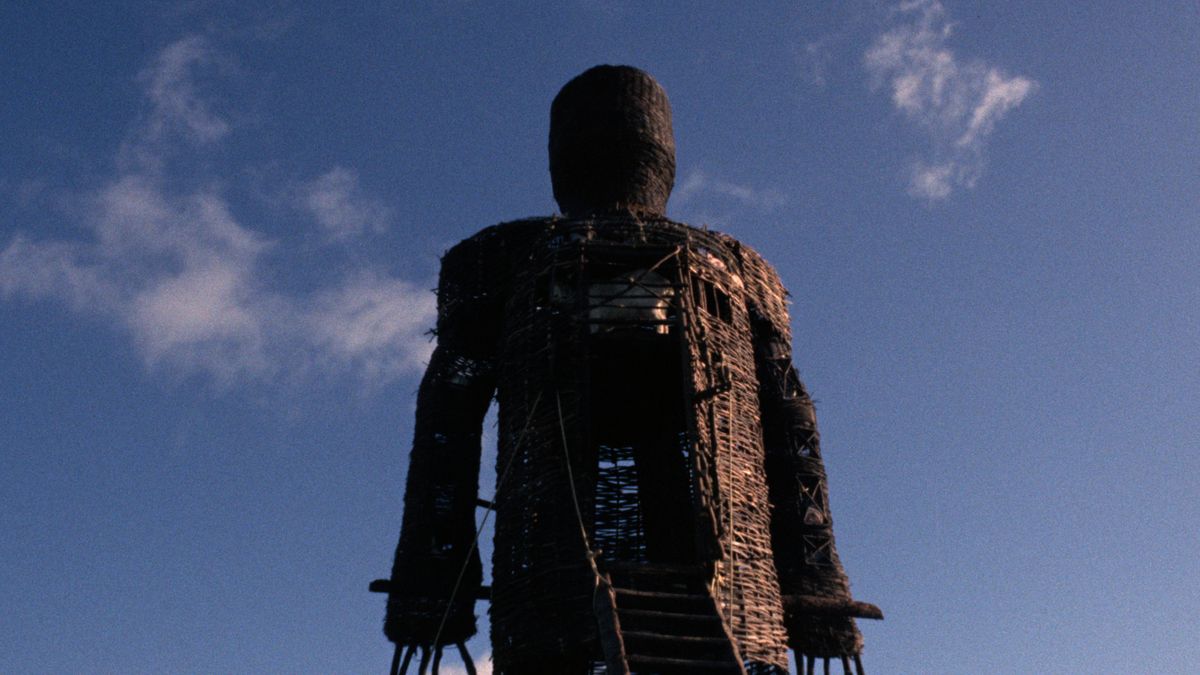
(407, 659)
(395, 668)
(466, 658)
(424, 660)
(858, 664)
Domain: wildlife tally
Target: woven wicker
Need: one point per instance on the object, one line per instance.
(611, 143)
(662, 422)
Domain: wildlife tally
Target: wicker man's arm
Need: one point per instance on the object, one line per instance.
(818, 607)
(437, 534)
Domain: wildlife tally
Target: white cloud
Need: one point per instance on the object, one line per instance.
(171, 87)
(955, 102)
(699, 184)
(1000, 94)
(174, 267)
(931, 181)
(177, 111)
(339, 206)
(43, 270)
(361, 322)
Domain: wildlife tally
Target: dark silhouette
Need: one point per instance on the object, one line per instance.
(661, 503)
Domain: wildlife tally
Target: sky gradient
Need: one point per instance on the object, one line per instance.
(219, 226)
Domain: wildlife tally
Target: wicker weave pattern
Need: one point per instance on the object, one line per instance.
(760, 510)
(611, 143)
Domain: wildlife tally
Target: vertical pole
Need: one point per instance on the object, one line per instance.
(407, 659)
(466, 658)
(395, 667)
(424, 661)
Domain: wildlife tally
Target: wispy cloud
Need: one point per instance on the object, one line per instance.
(341, 208)
(375, 323)
(177, 112)
(170, 263)
(955, 102)
(698, 185)
(815, 59)
(171, 88)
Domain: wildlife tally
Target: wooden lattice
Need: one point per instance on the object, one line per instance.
(516, 317)
(658, 464)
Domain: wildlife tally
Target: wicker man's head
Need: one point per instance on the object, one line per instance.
(611, 144)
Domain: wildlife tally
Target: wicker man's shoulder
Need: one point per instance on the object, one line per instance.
(501, 236)
(765, 288)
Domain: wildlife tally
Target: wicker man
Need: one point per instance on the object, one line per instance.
(660, 503)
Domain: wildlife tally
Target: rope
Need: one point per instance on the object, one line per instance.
(591, 556)
(562, 428)
(483, 522)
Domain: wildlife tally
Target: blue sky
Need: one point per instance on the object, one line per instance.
(219, 225)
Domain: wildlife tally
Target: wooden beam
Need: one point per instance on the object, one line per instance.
(819, 606)
(604, 607)
(385, 586)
